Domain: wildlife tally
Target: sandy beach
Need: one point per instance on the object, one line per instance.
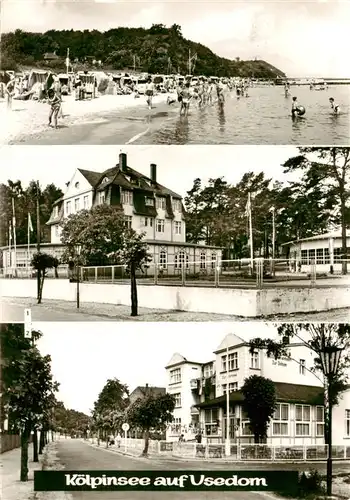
(28, 118)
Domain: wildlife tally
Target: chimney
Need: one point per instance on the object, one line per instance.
(153, 172)
(122, 162)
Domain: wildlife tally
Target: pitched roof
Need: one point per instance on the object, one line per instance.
(285, 393)
(92, 177)
(324, 236)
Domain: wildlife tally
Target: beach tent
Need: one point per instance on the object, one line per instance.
(102, 81)
(37, 76)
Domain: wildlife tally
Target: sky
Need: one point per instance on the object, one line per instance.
(177, 166)
(85, 355)
(302, 38)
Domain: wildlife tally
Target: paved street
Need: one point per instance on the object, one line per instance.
(11, 310)
(79, 455)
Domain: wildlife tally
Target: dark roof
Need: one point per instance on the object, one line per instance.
(184, 244)
(285, 393)
(50, 55)
(154, 390)
(92, 177)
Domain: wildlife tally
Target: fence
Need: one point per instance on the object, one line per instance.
(10, 442)
(238, 452)
(243, 273)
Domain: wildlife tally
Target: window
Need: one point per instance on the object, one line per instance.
(177, 205)
(326, 256)
(180, 260)
(177, 227)
(202, 264)
(211, 418)
(128, 221)
(77, 204)
(68, 208)
(232, 386)
(208, 371)
(101, 197)
(213, 260)
(148, 222)
(233, 361)
(86, 202)
(245, 430)
(175, 376)
(160, 203)
(163, 259)
(223, 363)
(319, 256)
(338, 254)
(149, 202)
(177, 400)
(312, 256)
(302, 418)
(176, 425)
(77, 185)
(319, 421)
(302, 366)
(126, 197)
(254, 360)
(280, 420)
(347, 423)
(304, 259)
(160, 226)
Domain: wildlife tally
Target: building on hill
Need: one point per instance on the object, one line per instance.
(200, 390)
(149, 208)
(50, 56)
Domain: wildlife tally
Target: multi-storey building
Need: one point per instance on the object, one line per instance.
(201, 396)
(149, 208)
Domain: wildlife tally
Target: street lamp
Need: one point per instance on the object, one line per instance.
(77, 251)
(330, 357)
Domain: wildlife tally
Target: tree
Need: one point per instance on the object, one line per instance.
(28, 386)
(105, 240)
(259, 404)
(110, 406)
(151, 412)
(327, 169)
(315, 337)
(41, 262)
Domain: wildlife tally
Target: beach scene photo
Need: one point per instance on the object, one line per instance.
(209, 73)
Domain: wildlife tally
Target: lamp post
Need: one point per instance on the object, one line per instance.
(77, 251)
(330, 357)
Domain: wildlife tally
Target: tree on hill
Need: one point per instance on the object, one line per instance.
(28, 388)
(259, 404)
(151, 412)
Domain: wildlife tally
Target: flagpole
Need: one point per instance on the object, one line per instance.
(228, 442)
(273, 239)
(28, 258)
(251, 235)
(14, 235)
(10, 241)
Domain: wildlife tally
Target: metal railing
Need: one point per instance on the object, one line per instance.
(243, 273)
(238, 452)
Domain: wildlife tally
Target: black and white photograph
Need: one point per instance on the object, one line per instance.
(187, 72)
(206, 233)
(229, 397)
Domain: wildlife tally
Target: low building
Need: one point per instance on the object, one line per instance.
(200, 390)
(143, 391)
(322, 251)
(149, 208)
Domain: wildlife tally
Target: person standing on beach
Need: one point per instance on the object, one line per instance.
(149, 92)
(186, 99)
(55, 103)
(10, 91)
(56, 86)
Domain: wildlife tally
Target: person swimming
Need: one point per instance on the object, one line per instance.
(334, 106)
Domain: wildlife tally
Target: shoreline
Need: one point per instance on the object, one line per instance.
(29, 119)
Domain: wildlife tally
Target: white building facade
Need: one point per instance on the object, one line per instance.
(322, 251)
(201, 394)
(148, 207)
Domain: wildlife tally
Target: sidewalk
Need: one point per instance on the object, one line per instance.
(12, 487)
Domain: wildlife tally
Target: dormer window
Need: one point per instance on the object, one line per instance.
(105, 180)
(77, 185)
(149, 202)
(161, 203)
(177, 207)
(127, 178)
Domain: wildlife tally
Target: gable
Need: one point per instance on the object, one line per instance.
(230, 340)
(77, 185)
(175, 359)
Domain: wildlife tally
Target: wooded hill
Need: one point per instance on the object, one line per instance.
(155, 50)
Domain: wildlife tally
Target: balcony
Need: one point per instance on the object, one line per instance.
(194, 384)
(194, 410)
